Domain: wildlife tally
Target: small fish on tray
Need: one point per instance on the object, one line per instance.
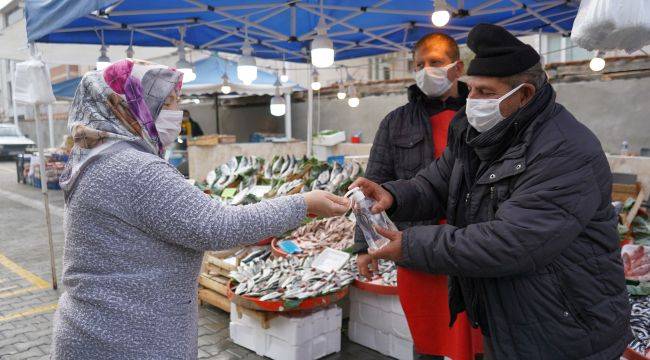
(336, 233)
(385, 275)
(288, 278)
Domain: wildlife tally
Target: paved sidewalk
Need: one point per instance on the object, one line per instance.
(27, 301)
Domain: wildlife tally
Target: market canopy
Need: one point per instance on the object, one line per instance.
(282, 29)
(208, 81)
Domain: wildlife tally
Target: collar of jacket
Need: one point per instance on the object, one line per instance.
(434, 105)
(515, 152)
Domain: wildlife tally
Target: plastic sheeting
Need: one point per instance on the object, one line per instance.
(612, 24)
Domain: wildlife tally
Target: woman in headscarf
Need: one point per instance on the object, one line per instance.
(136, 230)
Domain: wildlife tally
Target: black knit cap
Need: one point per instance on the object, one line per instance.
(498, 52)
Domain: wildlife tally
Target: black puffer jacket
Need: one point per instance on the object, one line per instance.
(403, 144)
(538, 266)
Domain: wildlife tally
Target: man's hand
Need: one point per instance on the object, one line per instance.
(392, 250)
(367, 265)
(384, 200)
(325, 204)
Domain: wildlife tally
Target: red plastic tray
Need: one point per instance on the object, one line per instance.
(376, 288)
(285, 305)
(266, 241)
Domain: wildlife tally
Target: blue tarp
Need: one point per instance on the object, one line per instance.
(208, 78)
(282, 29)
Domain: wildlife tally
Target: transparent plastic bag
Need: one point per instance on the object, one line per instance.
(612, 24)
(367, 221)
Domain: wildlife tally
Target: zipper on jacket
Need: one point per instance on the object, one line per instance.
(491, 209)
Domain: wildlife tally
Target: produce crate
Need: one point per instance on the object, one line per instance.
(212, 139)
(304, 336)
(378, 322)
(622, 192)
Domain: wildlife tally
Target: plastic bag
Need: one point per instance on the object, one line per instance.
(636, 262)
(33, 85)
(612, 24)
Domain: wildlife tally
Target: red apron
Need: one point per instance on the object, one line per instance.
(424, 296)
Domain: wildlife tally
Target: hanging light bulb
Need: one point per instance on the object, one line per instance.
(284, 77)
(353, 100)
(341, 94)
(129, 51)
(278, 106)
(598, 62)
(185, 66)
(315, 83)
(441, 15)
(322, 48)
(102, 61)
(247, 68)
(225, 84)
(182, 64)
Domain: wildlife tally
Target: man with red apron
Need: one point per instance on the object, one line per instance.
(408, 139)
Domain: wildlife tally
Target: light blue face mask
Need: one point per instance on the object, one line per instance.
(484, 114)
(433, 81)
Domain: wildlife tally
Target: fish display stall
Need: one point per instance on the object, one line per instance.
(312, 238)
(250, 179)
(287, 282)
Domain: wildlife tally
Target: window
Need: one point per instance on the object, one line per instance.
(386, 73)
(14, 16)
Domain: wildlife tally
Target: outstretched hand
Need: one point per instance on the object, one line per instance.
(383, 198)
(325, 204)
(391, 251)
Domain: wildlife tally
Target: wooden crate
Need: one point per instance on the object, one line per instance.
(215, 299)
(218, 284)
(622, 192)
(212, 139)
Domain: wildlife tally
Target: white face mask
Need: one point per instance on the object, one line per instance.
(483, 114)
(433, 81)
(168, 125)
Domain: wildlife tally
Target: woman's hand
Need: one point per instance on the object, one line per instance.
(325, 204)
(384, 199)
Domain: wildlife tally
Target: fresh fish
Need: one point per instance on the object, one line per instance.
(336, 169)
(210, 178)
(288, 278)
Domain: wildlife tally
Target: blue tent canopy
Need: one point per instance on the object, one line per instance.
(282, 29)
(208, 80)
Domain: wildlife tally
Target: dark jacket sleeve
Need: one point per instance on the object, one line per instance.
(380, 169)
(424, 196)
(550, 206)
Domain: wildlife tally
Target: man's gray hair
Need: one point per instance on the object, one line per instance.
(534, 75)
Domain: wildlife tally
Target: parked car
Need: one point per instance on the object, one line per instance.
(12, 141)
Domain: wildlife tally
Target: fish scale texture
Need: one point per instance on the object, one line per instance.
(135, 232)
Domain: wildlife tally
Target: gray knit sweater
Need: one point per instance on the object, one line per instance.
(135, 232)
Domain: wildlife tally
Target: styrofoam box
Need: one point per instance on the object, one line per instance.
(305, 337)
(381, 312)
(387, 344)
(330, 140)
(295, 330)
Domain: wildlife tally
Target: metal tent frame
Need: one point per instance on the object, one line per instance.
(284, 29)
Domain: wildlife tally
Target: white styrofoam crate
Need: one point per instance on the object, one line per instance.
(305, 337)
(329, 140)
(264, 344)
(295, 330)
(381, 312)
(380, 341)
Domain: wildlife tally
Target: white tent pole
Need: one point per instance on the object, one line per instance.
(13, 92)
(310, 116)
(287, 115)
(50, 123)
(46, 200)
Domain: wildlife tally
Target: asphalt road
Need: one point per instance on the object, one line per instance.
(27, 300)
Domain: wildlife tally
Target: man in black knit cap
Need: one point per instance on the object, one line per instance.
(530, 243)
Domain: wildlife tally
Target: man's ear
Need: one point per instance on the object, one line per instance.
(527, 91)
